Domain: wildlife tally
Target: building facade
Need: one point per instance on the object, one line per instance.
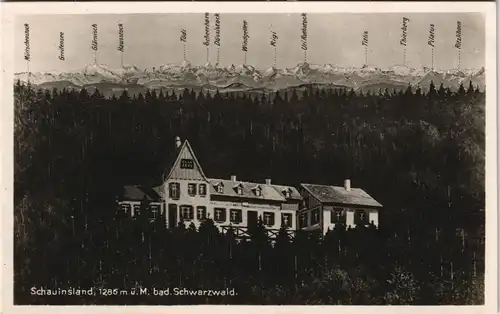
(187, 195)
(326, 206)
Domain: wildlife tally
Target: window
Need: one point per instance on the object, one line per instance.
(361, 217)
(303, 220)
(187, 212)
(137, 210)
(154, 210)
(239, 190)
(315, 217)
(338, 216)
(192, 189)
(286, 220)
(235, 216)
(258, 191)
(201, 213)
(287, 193)
(125, 208)
(269, 219)
(220, 214)
(174, 190)
(220, 188)
(202, 189)
(187, 164)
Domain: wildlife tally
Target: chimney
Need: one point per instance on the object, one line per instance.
(268, 181)
(177, 142)
(347, 184)
(233, 178)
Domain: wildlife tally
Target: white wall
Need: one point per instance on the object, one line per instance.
(245, 208)
(372, 216)
(186, 199)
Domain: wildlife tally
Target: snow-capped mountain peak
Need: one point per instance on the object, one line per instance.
(270, 72)
(183, 73)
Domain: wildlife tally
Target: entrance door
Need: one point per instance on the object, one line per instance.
(172, 215)
(252, 218)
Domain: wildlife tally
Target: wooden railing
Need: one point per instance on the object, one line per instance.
(243, 232)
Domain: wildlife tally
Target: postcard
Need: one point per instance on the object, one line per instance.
(288, 154)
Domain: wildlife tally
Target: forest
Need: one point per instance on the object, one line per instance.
(420, 154)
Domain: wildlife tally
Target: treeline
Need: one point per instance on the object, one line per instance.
(364, 265)
(419, 154)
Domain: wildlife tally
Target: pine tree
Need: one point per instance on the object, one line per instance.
(470, 90)
(461, 90)
(432, 90)
(124, 96)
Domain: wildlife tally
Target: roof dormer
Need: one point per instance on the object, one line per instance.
(287, 192)
(257, 190)
(219, 187)
(238, 188)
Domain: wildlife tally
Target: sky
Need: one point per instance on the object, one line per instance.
(152, 40)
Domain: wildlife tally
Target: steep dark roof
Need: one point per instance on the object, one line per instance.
(339, 195)
(138, 193)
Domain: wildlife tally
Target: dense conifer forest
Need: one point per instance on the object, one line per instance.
(420, 154)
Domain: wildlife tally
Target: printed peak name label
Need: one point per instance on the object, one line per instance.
(61, 46)
(207, 30)
(404, 31)
(430, 41)
(244, 45)
(120, 38)
(183, 37)
(27, 55)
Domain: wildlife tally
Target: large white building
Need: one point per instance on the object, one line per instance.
(188, 195)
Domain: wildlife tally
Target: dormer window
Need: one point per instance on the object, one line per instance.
(219, 187)
(239, 189)
(287, 193)
(257, 190)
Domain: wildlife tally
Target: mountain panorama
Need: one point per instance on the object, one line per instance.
(239, 78)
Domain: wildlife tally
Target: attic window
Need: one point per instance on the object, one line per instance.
(287, 193)
(239, 189)
(258, 191)
(220, 188)
(187, 164)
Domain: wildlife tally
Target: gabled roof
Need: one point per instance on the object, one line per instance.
(339, 195)
(139, 193)
(190, 152)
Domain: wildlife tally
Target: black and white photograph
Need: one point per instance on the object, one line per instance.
(266, 158)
